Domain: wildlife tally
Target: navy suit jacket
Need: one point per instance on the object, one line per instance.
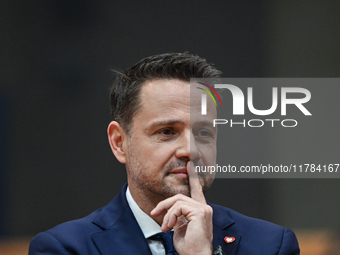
(113, 229)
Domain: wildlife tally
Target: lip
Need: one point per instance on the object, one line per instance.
(180, 172)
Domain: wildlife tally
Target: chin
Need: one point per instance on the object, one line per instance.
(172, 190)
(184, 191)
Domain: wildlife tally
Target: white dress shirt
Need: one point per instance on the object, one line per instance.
(148, 226)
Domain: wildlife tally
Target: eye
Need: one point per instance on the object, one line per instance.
(167, 132)
(204, 136)
(204, 133)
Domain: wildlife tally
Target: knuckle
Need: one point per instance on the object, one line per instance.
(179, 203)
(208, 210)
(179, 196)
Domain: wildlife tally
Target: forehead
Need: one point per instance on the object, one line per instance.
(171, 99)
(162, 99)
(156, 91)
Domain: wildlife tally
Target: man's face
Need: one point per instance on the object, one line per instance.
(166, 133)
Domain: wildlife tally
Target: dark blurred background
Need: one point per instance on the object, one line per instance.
(56, 56)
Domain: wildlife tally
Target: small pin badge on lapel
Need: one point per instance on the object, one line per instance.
(229, 239)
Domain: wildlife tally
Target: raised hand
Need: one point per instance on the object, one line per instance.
(190, 217)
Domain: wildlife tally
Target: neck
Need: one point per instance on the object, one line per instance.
(146, 201)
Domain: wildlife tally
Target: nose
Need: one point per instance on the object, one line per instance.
(187, 147)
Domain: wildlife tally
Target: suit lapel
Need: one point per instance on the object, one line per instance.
(222, 222)
(121, 233)
(123, 238)
(228, 248)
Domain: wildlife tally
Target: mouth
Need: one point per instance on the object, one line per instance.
(179, 172)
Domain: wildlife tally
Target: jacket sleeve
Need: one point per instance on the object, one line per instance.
(45, 243)
(289, 245)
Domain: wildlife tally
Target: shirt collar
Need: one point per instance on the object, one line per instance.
(148, 226)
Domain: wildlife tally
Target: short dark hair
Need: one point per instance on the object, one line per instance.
(125, 92)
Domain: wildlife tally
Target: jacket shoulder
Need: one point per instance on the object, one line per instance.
(76, 236)
(261, 236)
(243, 221)
(62, 238)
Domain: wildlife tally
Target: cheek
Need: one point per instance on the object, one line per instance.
(156, 155)
(208, 154)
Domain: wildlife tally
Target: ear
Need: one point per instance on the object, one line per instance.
(117, 139)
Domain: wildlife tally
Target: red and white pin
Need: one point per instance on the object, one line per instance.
(229, 239)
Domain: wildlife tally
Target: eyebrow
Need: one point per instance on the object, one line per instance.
(170, 122)
(204, 123)
(176, 122)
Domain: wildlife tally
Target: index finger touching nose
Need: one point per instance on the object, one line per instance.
(194, 182)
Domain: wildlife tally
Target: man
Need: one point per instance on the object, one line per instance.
(159, 133)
